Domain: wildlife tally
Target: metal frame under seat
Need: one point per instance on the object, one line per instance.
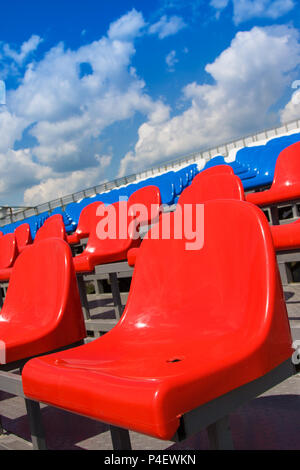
(212, 416)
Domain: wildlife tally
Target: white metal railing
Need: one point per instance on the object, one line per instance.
(206, 155)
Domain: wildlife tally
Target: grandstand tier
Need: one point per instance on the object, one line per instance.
(110, 311)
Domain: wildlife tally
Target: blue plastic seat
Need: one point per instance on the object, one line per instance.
(69, 224)
(265, 165)
(183, 173)
(166, 186)
(240, 169)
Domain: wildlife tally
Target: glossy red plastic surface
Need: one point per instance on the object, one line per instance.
(86, 221)
(53, 227)
(115, 247)
(23, 236)
(197, 324)
(42, 309)
(213, 170)
(287, 236)
(111, 249)
(150, 198)
(217, 182)
(13, 246)
(286, 183)
(5, 274)
(8, 250)
(213, 186)
(131, 256)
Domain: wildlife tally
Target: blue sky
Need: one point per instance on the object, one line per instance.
(96, 90)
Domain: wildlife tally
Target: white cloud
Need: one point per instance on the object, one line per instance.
(11, 129)
(127, 27)
(26, 49)
(18, 171)
(74, 181)
(245, 10)
(65, 114)
(291, 110)
(248, 81)
(171, 60)
(167, 26)
(61, 116)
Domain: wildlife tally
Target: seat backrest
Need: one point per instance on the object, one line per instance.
(285, 140)
(43, 293)
(250, 156)
(149, 197)
(218, 186)
(167, 189)
(214, 170)
(178, 184)
(73, 210)
(287, 168)
(8, 250)
(87, 219)
(231, 284)
(114, 230)
(215, 161)
(23, 236)
(183, 172)
(53, 227)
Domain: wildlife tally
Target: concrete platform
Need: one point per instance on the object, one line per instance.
(269, 422)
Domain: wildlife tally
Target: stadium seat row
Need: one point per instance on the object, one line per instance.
(255, 165)
(285, 187)
(170, 185)
(203, 330)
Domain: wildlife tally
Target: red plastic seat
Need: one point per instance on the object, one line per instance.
(52, 227)
(5, 274)
(213, 186)
(229, 186)
(23, 239)
(8, 250)
(131, 256)
(286, 183)
(113, 248)
(42, 310)
(23, 236)
(197, 324)
(142, 208)
(287, 236)
(213, 170)
(150, 199)
(86, 221)
(217, 182)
